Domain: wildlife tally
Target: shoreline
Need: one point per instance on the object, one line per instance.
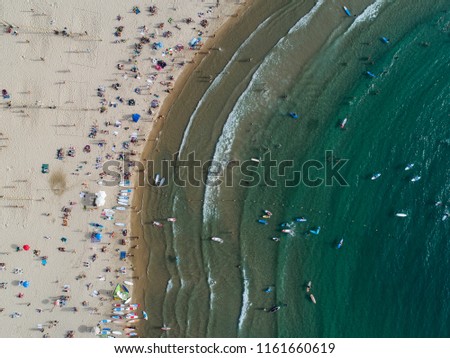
(167, 242)
(157, 264)
(136, 224)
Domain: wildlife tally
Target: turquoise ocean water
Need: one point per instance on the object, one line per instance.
(390, 278)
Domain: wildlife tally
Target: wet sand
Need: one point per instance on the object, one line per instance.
(182, 292)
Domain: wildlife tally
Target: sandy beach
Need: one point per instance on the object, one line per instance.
(74, 75)
(206, 168)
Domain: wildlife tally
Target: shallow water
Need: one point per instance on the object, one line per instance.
(389, 278)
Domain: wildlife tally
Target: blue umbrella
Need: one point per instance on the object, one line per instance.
(25, 284)
(136, 117)
(98, 236)
(44, 262)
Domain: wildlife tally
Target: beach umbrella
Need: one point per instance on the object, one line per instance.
(101, 194)
(25, 284)
(100, 198)
(26, 247)
(44, 262)
(193, 42)
(157, 45)
(98, 236)
(100, 201)
(136, 117)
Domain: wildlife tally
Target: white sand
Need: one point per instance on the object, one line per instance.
(42, 70)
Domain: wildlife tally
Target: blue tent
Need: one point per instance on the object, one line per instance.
(136, 117)
(97, 237)
(195, 41)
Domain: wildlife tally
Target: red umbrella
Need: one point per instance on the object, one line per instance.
(26, 247)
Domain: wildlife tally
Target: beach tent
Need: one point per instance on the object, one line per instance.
(195, 41)
(121, 293)
(96, 237)
(100, 198)
(136, 117)
(101, 194)
(99, 202)
(157, 45)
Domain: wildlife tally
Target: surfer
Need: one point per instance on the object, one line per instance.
(274, 309)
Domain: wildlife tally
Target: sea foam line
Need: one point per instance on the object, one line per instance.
(245, 300)
(169, 286)
(217, 80)
(307, 18)
(210, 283)
(223, 146)
(175, 234)
(369, 13)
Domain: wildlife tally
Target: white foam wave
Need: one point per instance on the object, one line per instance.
(169, 286)
(307, 18)
(211, 283)
(245, 300)
(217, 80)
(176, 233)
(224, 144)
(370, 13)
